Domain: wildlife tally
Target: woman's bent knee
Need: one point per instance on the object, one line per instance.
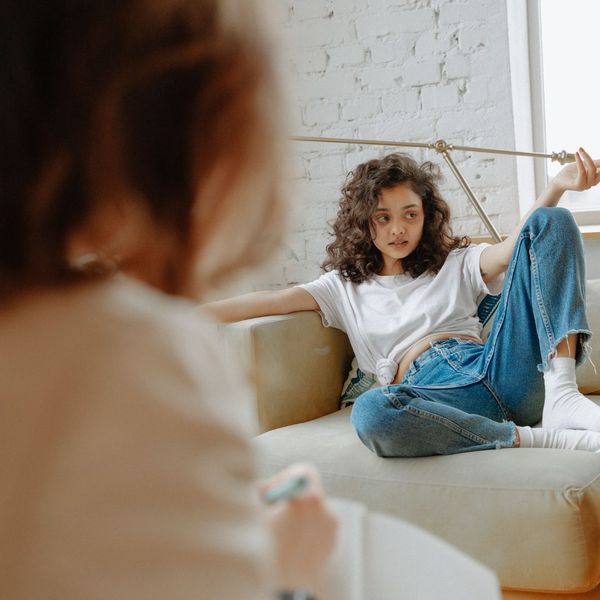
(557, 216)
(381, 426)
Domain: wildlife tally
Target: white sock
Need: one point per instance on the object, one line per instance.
(564, 406)
(565, 439)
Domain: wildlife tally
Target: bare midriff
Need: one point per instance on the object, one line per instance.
(419, 347)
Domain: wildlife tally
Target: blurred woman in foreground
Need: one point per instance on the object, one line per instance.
(139, 157)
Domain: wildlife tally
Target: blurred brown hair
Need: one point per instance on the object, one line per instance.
(116, 102)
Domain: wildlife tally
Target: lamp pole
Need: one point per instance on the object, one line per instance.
(444, 148)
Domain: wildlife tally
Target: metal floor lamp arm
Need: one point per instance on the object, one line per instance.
(471, 196)
(442, 147)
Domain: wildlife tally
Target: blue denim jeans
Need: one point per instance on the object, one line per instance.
(461, 396)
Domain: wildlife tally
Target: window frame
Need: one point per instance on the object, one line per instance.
(526, 65)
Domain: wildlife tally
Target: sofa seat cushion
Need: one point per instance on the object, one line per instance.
(532, 515)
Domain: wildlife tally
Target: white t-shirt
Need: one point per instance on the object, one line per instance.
(385, 315)
(126, 467)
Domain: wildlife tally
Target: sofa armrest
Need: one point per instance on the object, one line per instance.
(297, 366)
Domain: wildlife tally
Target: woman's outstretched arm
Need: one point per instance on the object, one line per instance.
(260, 304)
(581, 175)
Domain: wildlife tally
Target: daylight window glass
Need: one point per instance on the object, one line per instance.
(570, 34)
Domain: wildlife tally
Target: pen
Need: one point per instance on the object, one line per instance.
(286, 490)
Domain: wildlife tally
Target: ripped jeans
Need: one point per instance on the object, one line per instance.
(461, 396)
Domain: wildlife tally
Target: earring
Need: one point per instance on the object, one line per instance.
(93, 263)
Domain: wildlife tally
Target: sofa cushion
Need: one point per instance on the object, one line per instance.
(532, 515)
(296, 365)
(588, 375)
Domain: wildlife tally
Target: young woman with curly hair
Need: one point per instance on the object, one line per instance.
(355, 252)
(406, 291)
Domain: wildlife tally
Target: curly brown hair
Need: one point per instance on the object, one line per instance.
(353, 252)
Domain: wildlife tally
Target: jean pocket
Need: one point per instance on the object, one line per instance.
(448, 364)
(451, 350)
(417, 366)
(425, 370)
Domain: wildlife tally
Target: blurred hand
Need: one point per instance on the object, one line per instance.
(303, 528)
(581, 175)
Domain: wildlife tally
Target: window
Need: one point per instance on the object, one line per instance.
(562, 48)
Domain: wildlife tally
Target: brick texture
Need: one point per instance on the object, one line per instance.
(393, 70)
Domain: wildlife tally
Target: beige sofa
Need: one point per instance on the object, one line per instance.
(531, 515)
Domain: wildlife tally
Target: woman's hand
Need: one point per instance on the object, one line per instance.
(303, 528)
(581, 175)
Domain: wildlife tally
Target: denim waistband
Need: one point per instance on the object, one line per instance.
(450, 354)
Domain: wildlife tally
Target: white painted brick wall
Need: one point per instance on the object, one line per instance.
(395, 70)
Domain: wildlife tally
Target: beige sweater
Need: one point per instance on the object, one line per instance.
(125, 463)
